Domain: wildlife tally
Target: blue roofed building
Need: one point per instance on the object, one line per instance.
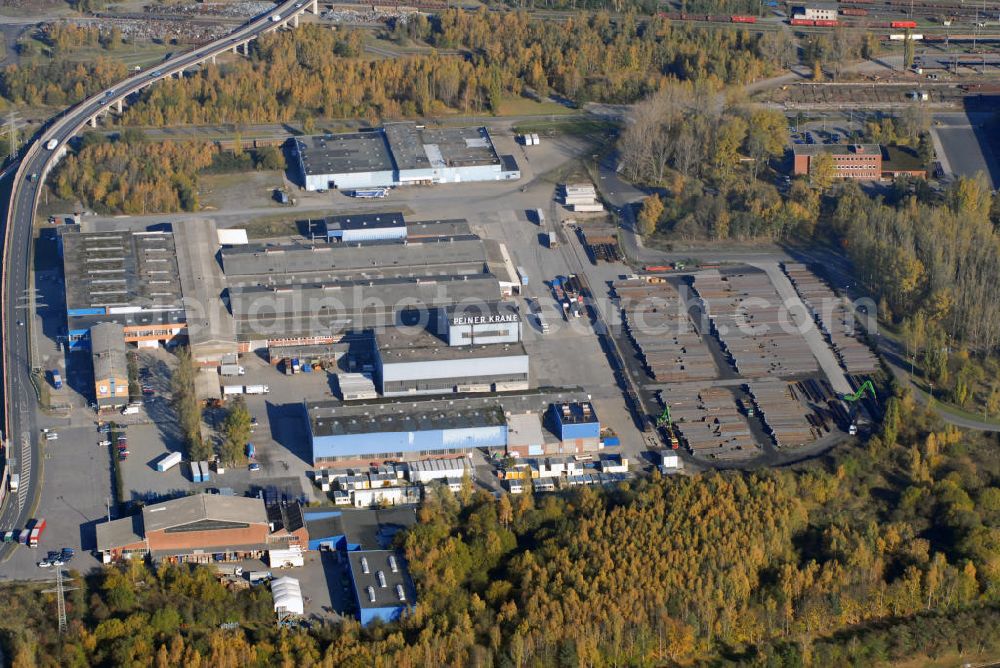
(371, 432)
(577, 426)
(382, 586)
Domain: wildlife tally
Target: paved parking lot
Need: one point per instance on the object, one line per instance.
(76, 489)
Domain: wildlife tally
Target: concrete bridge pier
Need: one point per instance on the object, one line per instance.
(314, 5)
(295, 21)
(119, 107)
(92, 122)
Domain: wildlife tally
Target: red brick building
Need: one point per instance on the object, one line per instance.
(851, 161)
(203, 528)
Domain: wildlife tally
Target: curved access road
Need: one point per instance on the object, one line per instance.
(20, 421)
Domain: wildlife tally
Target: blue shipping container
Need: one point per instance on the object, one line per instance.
(612, 441)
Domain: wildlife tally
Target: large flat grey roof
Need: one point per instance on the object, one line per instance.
(120, 532)
(263, 262)
(203, 283)
(190, 509)
(416, 147)
(403, 417)
(401, 345)
(362, 221)
(120, 269)
(377, 561)
(345, 153)
(366, 416)
(107, 345)
(334, 307)
(397, 147)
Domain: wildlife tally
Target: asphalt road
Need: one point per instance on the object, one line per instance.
(21, 408)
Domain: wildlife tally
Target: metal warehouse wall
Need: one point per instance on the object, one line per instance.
(574, 431)
(350, 181)
(363, 445)
(473, 367)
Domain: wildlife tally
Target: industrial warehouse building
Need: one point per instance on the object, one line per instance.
(401, 154)
(382, 587)
(365, 432)
(203, 528)
(356, 273)
(411, 363)
(128, 278)
(365, 227)
(357, 434)
(142, 281)
(110, 360)
(320, 313)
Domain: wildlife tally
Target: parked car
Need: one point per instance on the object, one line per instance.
(44, 563)
(67, 554)
(254, 466)
(104, 443)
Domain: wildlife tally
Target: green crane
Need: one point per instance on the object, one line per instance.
(867, 385)
(664, 419)
(852, 400)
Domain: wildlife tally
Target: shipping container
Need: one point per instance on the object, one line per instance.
(588, 208)
(825, 23)
(231, 370)
(195, 471)
(535, 139)
(232, 389)
(802, 22)
(168, 462)
(257, 389)
(903, 24)
(743, 19)
(206, 475)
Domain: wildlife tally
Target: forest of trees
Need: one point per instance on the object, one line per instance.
(885, 551)
(709, 156)
(129, 175)
(315, 72)
(58, 82)
(932, 261)
(133, 177)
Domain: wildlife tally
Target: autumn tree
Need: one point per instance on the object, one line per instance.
(649, 215)
(185, 403)
(235, 432)
(822, 171)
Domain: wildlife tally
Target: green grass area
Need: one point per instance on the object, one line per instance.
(273, 226)
(522, 106)
(143, 54)
(577, 125)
